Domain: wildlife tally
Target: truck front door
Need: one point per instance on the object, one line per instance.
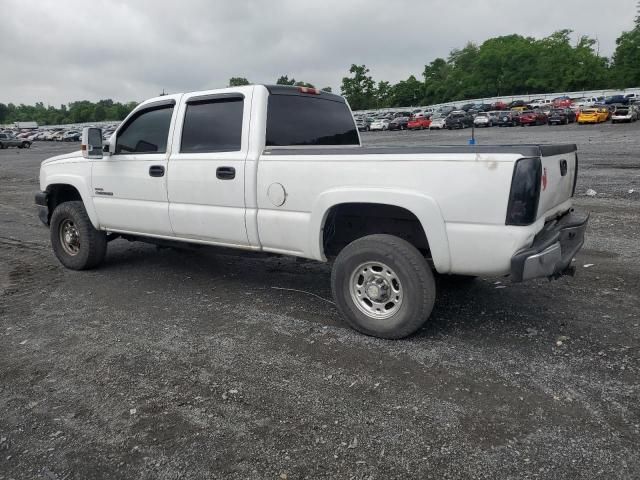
(130, 186)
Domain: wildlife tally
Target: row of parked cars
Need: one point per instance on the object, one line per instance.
(24, 138)
(560, 111)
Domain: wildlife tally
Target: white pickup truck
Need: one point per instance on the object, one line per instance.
(281, 169)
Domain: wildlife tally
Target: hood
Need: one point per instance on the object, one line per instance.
(77, 155)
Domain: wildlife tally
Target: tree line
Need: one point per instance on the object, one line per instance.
(505, 66)
(501, 66)
(75, 112)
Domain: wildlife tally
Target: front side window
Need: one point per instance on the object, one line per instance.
(146, 132)
(309, 120)
(213, 126)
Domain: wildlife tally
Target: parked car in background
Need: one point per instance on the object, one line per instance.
(483, 120)
(532, 117)
(71, 136)
(509, 119)
(380, 124)
(621, 99)
(499, 106)
(362, 124)
(561, 116)
(10, 140)
(541, 102)
(593, 115)
(444, 111)
(494, 115)
(625, 115)
(437, 123)
(458, 119)
(562, 102)
(633, 97)
(587, 102)
(399, 123)
(419, 123)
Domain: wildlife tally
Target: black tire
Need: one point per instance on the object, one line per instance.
(2, 146)
(415, 282)
(92, 243)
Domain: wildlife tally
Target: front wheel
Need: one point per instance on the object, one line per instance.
(383, 286)
(76, 244)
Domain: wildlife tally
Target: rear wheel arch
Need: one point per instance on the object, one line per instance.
(414, 217)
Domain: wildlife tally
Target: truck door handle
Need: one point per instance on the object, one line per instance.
(225, 173)
(156, 171)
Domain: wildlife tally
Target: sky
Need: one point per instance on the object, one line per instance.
(58, 51)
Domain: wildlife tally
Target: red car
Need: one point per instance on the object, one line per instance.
(529, 117)
(419, 123)
(562, 102)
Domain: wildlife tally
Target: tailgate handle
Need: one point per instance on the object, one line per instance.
(563, 167)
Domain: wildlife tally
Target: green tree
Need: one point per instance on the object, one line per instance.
(409, 92)
(238, 81)
(326, 89)
(284, 80)
(383, 94)
(99, 113)
(3, 112)
(359, 89)
(626, 58)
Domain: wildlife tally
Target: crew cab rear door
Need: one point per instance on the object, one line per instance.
(206, 184)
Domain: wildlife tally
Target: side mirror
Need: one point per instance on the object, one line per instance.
(91, 142)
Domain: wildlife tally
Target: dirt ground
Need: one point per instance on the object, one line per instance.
(169, 364)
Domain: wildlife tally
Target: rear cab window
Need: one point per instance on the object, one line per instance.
(213, 124)
(295, 118)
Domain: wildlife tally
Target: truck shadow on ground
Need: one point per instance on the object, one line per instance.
(301, 289)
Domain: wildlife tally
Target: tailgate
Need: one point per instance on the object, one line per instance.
(559, 173)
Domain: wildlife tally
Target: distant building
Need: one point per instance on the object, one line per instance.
(26, 124)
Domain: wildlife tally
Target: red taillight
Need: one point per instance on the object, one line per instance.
(309, 90)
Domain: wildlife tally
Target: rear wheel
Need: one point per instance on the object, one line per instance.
(383, 286)
(75, 242)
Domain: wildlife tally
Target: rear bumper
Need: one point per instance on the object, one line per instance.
(43, 207)
(552, 250)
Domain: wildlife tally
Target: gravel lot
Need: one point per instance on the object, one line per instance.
(168, 364)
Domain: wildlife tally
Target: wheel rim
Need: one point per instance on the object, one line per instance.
(376, 290)
(69, 237)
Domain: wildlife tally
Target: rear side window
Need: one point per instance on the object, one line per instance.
(212, 126)
(146, 132)
(309, 120)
